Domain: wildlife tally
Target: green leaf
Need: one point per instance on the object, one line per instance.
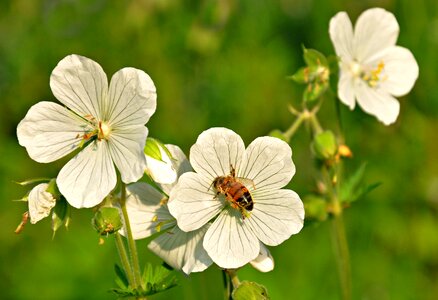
(33, 181)
(152, 149)
(249, 290)
(354, 188)
(121, 279)
(301, 76)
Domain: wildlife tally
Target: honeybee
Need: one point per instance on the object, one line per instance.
(235, 192)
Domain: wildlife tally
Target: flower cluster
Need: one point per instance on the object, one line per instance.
(227, 202)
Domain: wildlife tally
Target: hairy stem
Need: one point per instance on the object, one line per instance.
(288, 134)
(340, 245)
(233, 276)
(131, 242)
(124, 258)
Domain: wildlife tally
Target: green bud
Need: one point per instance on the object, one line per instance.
(278, 134)
(249, 290)
(324, 145)
(107, 220)
(60, 214)
(315, 208)
(314, 58)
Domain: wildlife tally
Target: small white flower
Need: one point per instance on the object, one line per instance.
(148, 214)
(372, 68)
(107, 122)
(40, 202)
(263, 168)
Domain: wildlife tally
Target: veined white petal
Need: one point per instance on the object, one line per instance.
(49, 131)
(346, 89)
(268, 163)
(400, 70)
(264, 262)
(88, 177)
(146, 211)
(180, 163)
(126, 148)
(215, 151)
(161, 171)
(40, 202)
(132, 98)
(378, 103)
(276, 215)
(182, 250)
(193, 202)
(80, 84)
(375, 30)
(341, 34)
(230, 242)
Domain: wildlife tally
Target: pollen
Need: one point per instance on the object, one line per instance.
(375, 76)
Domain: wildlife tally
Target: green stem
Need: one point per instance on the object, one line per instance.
(233, 276)
(339, 237)
(227, 285)
(340, 244)
(131, 242)
(315, 123)
(124, 258)
(294, 127)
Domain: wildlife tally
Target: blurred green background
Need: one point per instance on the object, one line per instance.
(224, 63)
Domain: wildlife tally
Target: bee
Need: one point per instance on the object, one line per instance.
(235, 192)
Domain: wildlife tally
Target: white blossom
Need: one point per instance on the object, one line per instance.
(106, 122)
(373, 70)
(40, 202)
(264, 168)
(148, 214)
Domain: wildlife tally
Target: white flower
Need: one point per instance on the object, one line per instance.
(106, 122)
(148, 214)
(263, 169)
(40, 202)
(264, 262)
(372, 68)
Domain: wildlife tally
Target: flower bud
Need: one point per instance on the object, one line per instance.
(324, 145)
(315, 208)
(250, 290)
(107, 220)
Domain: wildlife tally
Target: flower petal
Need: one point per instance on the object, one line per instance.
(49, 131)
(147, 215)
(193, 202)
(230, 242)
(215, 151)
(40, 203)
(264, 262)
(88, 177)
(267, 163)
(375, 30)
(126, 148)
(80, 84)
(401, 70)
(161, 171)
(132, 98)
(179, 162)
(276, 215)
(341, 34)
(378, 103)
(346, 89)
(182, 250)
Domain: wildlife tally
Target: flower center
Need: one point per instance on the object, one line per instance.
(104, 131)
(371, 76)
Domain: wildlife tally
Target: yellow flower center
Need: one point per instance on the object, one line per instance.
(372, 77)
(104, 131)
